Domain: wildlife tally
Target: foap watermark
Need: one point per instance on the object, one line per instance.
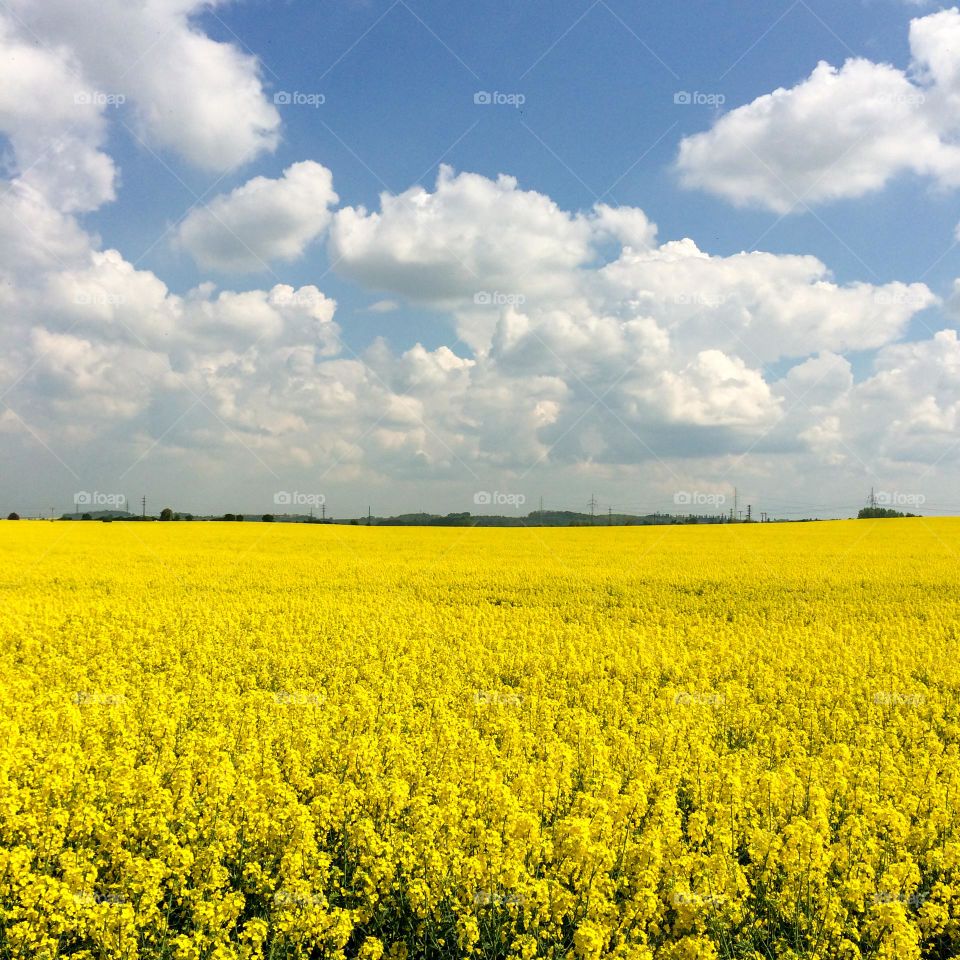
(697, 98)
(697, 299)
(94, 698)
(98, 298)
(84, 498)
(294, 898)
(94, 898)
(890, 698)
(296, 698)
(698, 900)
(294, 498)
(297, 98)
(493, 698)
(687, 698)
(99, 98)
(912, 99)
(297, 298)
(494, 498)
(697, 498)
(496, 298)
(494, 98)
(908, 297)
(915, 900)
(899, 498)
(491, 898)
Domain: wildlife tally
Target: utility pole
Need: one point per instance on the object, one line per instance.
(609, 516)
(593, 508)
(323, 508)
(143, 502)
(541, 511)
(369, 517)
(873, 499)
(749, 509)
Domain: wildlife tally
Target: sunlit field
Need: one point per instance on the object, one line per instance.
(268, 740)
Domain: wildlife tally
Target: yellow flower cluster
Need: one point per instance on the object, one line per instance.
(247, 740)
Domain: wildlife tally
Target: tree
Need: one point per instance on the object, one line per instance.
(268, 518)
(239, 516)
(86, 516)
(166, 514)
(14, 516)
(229, 516)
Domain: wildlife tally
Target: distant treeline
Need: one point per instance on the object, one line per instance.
(537, 518)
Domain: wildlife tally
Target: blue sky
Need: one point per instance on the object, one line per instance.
(599, 81)
(589, 114)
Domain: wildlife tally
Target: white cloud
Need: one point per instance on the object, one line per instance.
(262, 221)
(190, 94)
(470, 236)
(628, 226)
(769, 306)
(635, 352)
(55, 129)
(545, 285)
(713, 390)
(842, 132)
(914, 397)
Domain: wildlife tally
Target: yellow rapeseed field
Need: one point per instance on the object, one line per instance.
(254, 740)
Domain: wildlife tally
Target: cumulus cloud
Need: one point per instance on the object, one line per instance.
(537, 278)
(915, 393)
(56, 129)
(197, 97)
(471, 236)
(842, 132)
(262, 221)
(618, 350)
